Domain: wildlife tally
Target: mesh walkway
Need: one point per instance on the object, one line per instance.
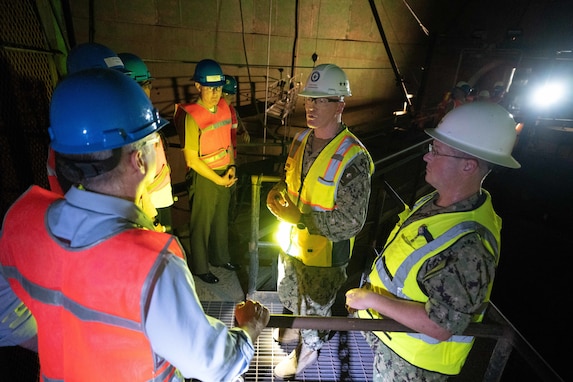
(346, 357)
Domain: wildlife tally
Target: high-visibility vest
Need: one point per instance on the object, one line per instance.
(318, 193)
(396, 270)
(89, 303)
(215, 137)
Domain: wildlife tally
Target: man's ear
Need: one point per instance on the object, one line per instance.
(471, 165)
(137, 161)
(198, 86)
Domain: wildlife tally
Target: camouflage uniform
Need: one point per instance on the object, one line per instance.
(456, 282)
(306, 290)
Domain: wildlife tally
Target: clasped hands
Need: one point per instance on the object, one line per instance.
(229, 178)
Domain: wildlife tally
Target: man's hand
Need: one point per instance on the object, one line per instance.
(358, 299)
(252, 317)
(229, 177)
(281, 205)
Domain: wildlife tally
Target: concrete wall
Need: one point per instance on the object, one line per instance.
(254, 39)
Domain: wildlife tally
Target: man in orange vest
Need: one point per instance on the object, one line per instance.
(94, 55)
(112, 297)
(204, 130)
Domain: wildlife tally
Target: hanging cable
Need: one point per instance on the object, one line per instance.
(424, 29)
(315, 54)
(268, 74)
(254, 100)
(399, 78)
(295, 41)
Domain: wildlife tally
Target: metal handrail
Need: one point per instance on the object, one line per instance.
(495, 326)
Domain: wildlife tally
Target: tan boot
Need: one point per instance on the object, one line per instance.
(298, 360)
(286, 335)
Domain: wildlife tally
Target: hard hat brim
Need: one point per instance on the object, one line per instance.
(488, 156)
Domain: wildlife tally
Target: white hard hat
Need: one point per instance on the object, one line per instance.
(484, 94)
(326, 80)
(482, 129)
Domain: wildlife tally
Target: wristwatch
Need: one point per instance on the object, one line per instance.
(300, 224)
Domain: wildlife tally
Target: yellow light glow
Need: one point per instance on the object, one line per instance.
(282, 235)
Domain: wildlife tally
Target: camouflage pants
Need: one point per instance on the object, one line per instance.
(389, 367)
(309, 291)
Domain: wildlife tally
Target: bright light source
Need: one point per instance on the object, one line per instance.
(548, 94)
(282, 235)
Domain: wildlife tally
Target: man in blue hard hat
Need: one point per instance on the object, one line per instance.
(113, 298)
(204, 129)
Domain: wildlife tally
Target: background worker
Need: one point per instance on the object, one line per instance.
(204, 129)
(113, 299)
(160, 191)
(237, 129)
(436, 271)
(458, 96)
(81, 57)
(498, 92)
(323, 200)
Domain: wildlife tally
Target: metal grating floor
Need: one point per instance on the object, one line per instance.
(346, 357)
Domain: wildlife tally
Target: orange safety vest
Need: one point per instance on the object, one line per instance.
(215, 137)
(52, 175)
(90, 303)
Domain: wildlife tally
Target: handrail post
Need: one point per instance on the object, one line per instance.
(256, 181)
(254, 241)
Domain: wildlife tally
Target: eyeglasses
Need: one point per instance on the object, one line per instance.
(155, 139)
(434, 153)
(319, 101)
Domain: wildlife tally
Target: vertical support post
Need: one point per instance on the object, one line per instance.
(256, 181)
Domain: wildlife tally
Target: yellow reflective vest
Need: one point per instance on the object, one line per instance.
(396, 270)
(317, 192)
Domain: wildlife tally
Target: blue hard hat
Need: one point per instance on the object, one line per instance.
(137, 68)
(100, 109)
(93, 55)
(209, 73)
(230, 86)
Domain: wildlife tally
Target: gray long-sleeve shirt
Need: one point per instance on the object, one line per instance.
(199, 346)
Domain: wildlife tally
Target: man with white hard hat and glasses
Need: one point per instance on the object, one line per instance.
(322, 204)
(435, 274)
